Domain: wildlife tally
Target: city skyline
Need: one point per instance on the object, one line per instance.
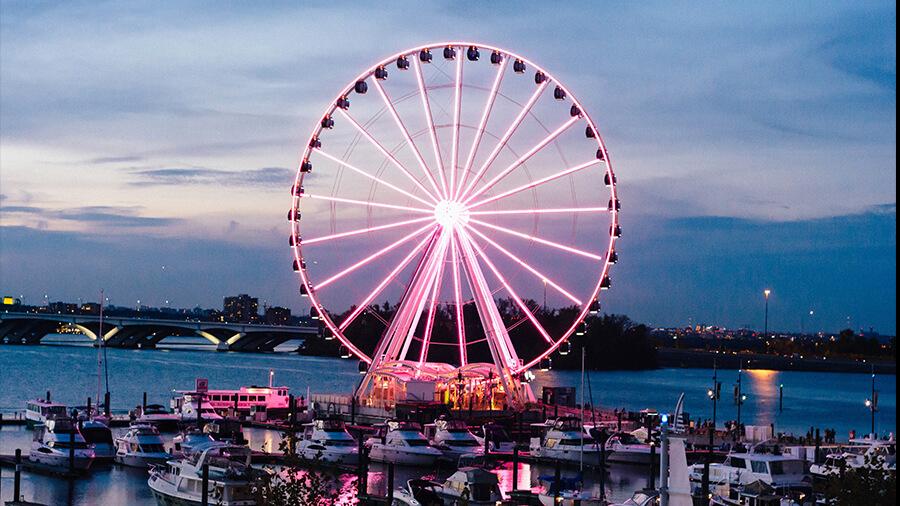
(158, 167)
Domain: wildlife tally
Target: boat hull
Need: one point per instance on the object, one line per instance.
(391, 456)
(62, 462)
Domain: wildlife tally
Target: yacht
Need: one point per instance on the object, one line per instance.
(53, 442)
(185, 442)
(190, 403)
(860, 453)
(97, 435)
(779, 471)
(498, 439)
(328, 441)
(625, 448)
(159, 416)
(564, 439)
(469, 485)
(39, 411)
(402, 443)
(179, 482)
(452, 438)
(140, 446)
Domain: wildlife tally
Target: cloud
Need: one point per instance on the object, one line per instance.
(266, 176)
(107, 216)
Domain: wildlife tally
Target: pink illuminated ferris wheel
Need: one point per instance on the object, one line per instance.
(454, 204)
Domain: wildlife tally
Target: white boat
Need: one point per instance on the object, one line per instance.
(867, 453)
(99, 437)
(39, 411)
(567, 492)
(141, 446)
(53, 442)
(468, 485)
(160, 417)
(779, 471)
(186, 441)
(243, 401)
(625, 448)
(498, 439)
(188, 404)
(564, 439)
(179, 482)
(402, 443)
(642, 498)
(329, 442)
(453, 439)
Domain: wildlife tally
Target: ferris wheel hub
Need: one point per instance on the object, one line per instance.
(451, 214)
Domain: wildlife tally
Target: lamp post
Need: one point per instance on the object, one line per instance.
(872, 402)
(766, 293)
(713, 394)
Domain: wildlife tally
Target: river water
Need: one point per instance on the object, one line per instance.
(833, 400)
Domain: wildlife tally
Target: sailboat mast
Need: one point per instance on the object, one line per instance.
(100, 352)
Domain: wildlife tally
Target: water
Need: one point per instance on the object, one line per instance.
(70, 372)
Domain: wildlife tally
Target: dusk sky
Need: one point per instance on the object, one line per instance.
(148, 148)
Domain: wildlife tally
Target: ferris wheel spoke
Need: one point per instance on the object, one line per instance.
(479, 132)
(384, 282)
(374, 178)
(535, 183)
(307, 242)
(457, 296)
(429, 119)
(506, 136)
(522, 159)
(407, 136)
(457, 107)
(371, 257)
(367, 204)
(365, 133)
(545, 242)
(509, 289)
(532, 270)
(557, 210)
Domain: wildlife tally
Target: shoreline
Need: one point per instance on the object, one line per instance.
(698, 359)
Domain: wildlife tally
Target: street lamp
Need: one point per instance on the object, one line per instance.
(872, 402)
(713, 393)
(767, 292)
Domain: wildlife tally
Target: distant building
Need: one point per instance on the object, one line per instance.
(11, 301)
(276, 315)
(241, 309)
(62, 308)
(90, 308)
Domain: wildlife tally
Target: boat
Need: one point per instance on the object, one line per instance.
(783, 472)
(757, 493)
(97, 434)
(328, 441)
(468, 485)
(866, 453)
(38, 411)
(402, 443)
(141, 446)
(567, 491)
(626, 448)
(159, 416)
(57, 439)
(645, 497)
(185, 442)
(564, 439)
(453, 439)
(179, 481)
(498, 439)
(243, 401)
(188, 404)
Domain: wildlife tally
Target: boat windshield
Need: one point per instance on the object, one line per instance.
(152, 448)
(97, 435)
(461, 442)
(785, 467)
(340, 442)
(577, 442)
(417, 442)
(79, 445)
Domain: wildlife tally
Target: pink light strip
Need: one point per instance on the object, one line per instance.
(509, 132)
(479, 133)
(371, 257)
(543, 211)
(429, 322)
(432, 132)
(386, 153)
(522, 159)
(374, 178)
(509, 289)
(535, 183)
(457, 294)
(538, 240)
(457, 105)
(527, 267)
(346, 323)
(368, 204)
(307, 242)
(407, 136)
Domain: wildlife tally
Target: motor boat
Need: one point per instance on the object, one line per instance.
(860, 453)
(97, 434)
(757, 493)
(55, 440)
(625, 448)
(782, 472)
(498, 439)
(190, 404)
(402, 443)
(38, 411)
(567, 491)
(564, 439)
(141, 446)
(468, 485)
(453, 439)
(231, 478)
(159, 416)
(328, 441)
(187, 440)
(646, 497)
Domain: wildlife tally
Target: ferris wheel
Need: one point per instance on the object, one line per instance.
(454, 203)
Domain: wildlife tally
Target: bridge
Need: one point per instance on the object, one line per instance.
(31, 328)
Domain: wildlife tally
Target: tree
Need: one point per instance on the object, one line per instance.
(871, 484)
